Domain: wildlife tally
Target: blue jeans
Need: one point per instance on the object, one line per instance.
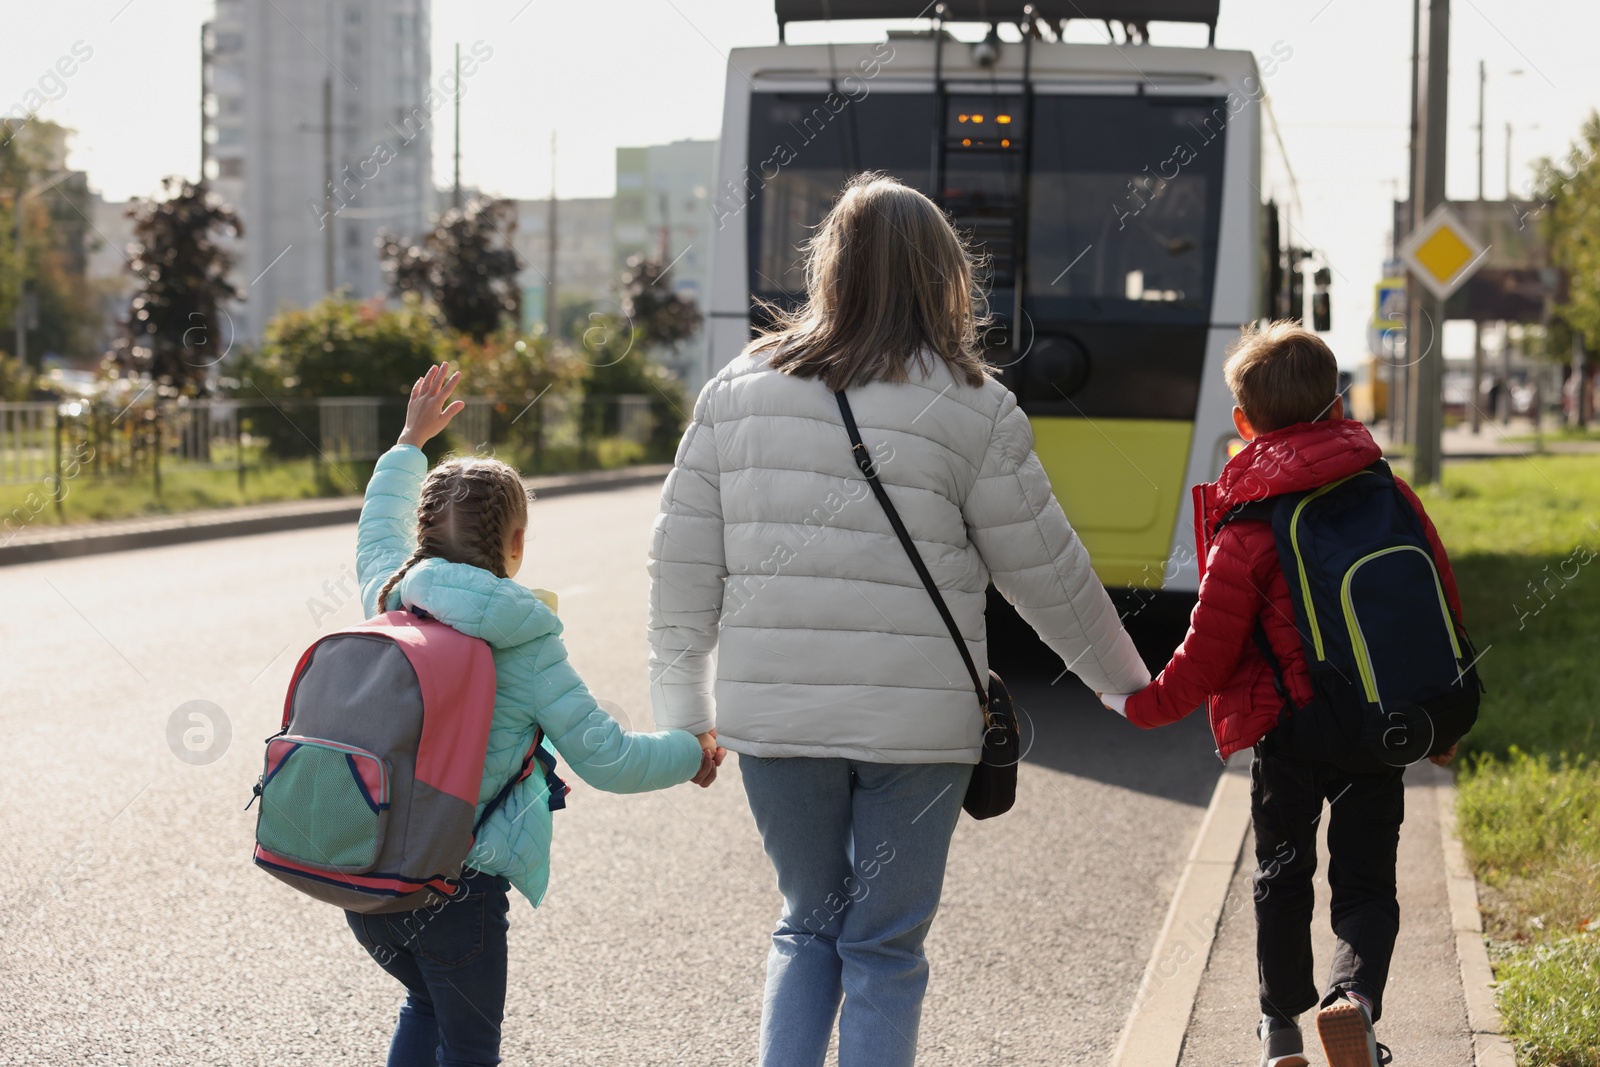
(452, 960)
(860, 851)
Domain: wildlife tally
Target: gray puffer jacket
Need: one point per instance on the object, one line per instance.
(771, 549)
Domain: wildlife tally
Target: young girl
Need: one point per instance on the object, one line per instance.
(448, 543)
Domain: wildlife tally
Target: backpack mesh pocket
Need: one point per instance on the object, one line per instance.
(323, 804)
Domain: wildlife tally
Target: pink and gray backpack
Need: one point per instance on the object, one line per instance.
(369, 790)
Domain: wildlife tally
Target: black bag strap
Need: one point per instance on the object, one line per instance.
(863, 460)
(505, 791)
(1250, 510)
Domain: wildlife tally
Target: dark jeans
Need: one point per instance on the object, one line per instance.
(452, 960)
(1364, 816)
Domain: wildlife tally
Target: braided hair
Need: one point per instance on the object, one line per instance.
(468, 509)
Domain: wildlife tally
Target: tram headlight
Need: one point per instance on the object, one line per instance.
(1227, 448)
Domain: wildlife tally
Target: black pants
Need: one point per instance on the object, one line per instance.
(1364, 816)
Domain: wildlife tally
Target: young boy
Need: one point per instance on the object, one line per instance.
(1284, 381)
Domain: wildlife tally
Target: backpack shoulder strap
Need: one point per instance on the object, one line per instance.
(863, 460)
(1248, 511)
(505, 790)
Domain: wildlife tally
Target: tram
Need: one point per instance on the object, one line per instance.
(1113, 189)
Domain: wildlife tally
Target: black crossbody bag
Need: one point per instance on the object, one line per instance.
(994, 780)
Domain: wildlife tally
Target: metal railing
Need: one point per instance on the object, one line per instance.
(40, 440)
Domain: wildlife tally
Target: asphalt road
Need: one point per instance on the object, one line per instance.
(134, 929)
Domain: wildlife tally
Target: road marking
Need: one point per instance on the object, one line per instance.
(1154, 1032)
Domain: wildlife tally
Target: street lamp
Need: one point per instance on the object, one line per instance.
(1509, 74)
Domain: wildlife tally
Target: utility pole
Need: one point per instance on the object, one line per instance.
(552, 321)
(205, 63)
(1578, 416)
(1400, 377)
(20, 314)
(1426, 312)
(1483, 78)
(326, 130)
(1508, 161)
(455, 199)
(327, 184)
(1475, 390)
(1506, 351)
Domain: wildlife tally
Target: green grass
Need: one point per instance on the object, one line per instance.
(1524, 537)
(1547, 993)
(93, 498)
(90, 499)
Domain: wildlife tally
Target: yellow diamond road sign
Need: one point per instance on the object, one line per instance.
(1442, 253)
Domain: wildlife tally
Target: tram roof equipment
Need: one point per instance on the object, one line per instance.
(995, 11)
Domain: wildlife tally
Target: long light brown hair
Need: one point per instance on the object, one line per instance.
(889, 282)
(467, 510)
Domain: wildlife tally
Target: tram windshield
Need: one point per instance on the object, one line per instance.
(1116, 222)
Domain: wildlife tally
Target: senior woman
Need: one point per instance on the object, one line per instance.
(837, 683)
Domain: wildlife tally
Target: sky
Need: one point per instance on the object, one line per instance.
(651, 71)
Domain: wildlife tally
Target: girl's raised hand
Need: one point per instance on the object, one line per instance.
(426, 414)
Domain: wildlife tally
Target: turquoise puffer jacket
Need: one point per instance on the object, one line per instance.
(535, 685)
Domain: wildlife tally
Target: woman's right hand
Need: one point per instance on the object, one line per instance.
(426, 414)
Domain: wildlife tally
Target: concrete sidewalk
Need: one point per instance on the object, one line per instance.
(40, 542)
(1426, 1012)
(1495, 440)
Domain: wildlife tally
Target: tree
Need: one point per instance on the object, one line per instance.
(465, 266)
(16, 381)
(61, 308)
(175, 333)
(1570, 192)
(666, 317)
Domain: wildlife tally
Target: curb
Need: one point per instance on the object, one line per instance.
(1490, 1046)
(1159, 1021)
(123, 535)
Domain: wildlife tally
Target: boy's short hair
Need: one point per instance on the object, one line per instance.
(1281, 374)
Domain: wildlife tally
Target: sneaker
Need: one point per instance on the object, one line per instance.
(1280, 1043)
(1347, 1037)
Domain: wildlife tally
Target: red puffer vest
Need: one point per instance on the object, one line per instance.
(1241, 581)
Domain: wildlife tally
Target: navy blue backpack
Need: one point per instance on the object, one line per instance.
(1392, 670)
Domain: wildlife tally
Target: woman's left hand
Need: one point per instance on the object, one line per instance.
(426, 414)
(711, 757)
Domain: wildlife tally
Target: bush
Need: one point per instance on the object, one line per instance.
(340, 347)
(335, 348)
(521, 373)
(617, 365)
